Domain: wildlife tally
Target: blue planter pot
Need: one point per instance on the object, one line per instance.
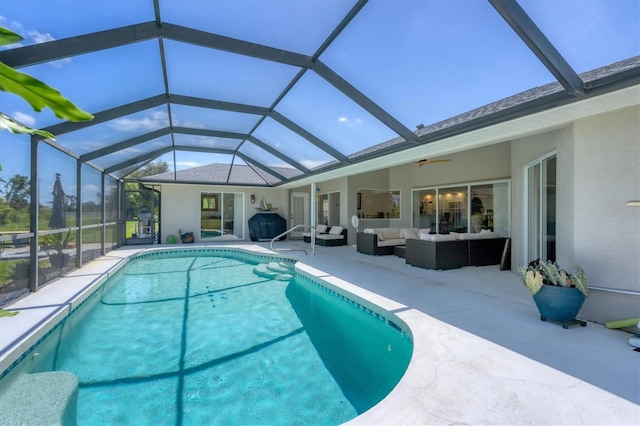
(560, 304)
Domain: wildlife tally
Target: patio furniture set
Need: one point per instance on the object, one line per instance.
(434, 251)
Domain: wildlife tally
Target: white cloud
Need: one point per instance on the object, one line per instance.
(13, 26)
(32, 37)
(157, 120)
(16, 27)
(39, 37)
(187, 164)
(349, 122)
(310, 164)
(60, 62)
(26, 119)
(191, 124)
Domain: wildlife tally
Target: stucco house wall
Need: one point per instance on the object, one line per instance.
(181, 206)
(606, 232)
(524, 151)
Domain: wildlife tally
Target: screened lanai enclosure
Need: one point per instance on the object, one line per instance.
(263, 94)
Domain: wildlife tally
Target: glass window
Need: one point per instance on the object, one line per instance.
(328, 208)
(331, 116)
(91, 196)
(589, 34)
(61, 254)
(110, 132)
(15, 214)
(68, 21)
(378, 203)
(111, 199)
(473, 208)
(15, 183)
(212, 142)
(111, 238)
(212, 119)
(541, 210)
(293, 145)
(91, 243)
(266, 159)
(425, 212)
(463, 56)
(452, 209)
(256, 20)
(213, 74)
(133, 152)
(490, 208)
(57, 189)
(95, 88)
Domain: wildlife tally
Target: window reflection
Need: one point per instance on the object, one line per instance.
(424, 205)
(378, 203)
(453, 210)
(470, 208)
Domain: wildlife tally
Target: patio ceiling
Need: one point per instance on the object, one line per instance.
(266, 93)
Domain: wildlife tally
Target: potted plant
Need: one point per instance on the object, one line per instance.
(558, 294)
(53, 245)
(186, 237)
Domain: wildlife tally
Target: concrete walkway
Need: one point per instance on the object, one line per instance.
(481, 353)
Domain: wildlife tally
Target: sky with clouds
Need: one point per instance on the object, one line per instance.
(422, 61)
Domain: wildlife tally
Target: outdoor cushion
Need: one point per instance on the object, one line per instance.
(470, 236)
(391, 233)
(409, 233)
(490, 234)
(321, 228)
(335, 230)
(443, 237)
(330, 237)
(423, 232)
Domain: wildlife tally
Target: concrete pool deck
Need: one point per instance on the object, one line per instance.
(481, 353)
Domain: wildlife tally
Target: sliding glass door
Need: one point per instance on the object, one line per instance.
(540, 210)
(221, 215)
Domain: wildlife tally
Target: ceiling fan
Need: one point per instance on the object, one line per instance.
(427, 161)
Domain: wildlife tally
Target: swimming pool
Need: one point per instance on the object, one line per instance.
(206, 336)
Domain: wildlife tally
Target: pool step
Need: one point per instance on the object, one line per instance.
(274, 270)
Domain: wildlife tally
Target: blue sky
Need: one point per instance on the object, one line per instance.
(421, 60)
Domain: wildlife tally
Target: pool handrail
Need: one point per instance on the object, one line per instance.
(313, 239)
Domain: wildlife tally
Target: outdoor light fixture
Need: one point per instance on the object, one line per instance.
(253, 199)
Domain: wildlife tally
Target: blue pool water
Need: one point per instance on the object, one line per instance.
(201, 339)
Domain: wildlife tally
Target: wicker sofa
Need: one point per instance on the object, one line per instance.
(455, 251)
(383, 241)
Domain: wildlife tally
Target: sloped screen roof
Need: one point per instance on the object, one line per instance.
(259, 92)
